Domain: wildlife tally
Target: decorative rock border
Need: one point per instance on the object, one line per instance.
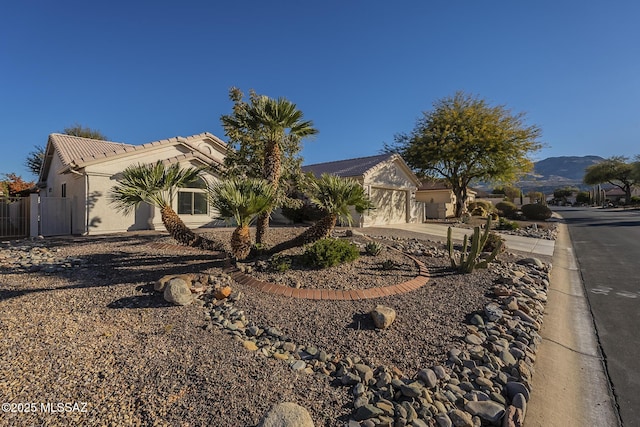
(331, 294)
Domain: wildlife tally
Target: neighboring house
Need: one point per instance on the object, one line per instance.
(616, 195)
(387, 180)
(439, 200)
(78, 173)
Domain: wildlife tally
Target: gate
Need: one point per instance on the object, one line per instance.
(14, 217)
(55, 216)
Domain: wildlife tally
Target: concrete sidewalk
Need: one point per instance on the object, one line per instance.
(526, 245)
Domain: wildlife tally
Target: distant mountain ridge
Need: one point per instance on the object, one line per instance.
(555, 172)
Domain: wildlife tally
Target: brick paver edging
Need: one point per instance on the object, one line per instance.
(319, 294)
(331, 294)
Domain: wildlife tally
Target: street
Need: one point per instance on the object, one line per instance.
(607, 247)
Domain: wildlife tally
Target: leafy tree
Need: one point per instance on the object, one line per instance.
(564, 192)
(536, 197)
(463, 139)
(14, 185)
(583, 197)
(241, 199)
(334, 196)
(616, 170)
(84, 132)
(35, 159)
(266, 134)
(157, 185)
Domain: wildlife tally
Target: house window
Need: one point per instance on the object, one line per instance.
(64, 190)
(193, 199)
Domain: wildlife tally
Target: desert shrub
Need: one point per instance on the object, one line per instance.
(505, 224)
(280, 263)
(635, 200)
(373, 248)
(493, 239)
(479, 211)
(507, 209)
(329, 252)
(465, 218)
(487, 206)
(536, 212)
(387, 265)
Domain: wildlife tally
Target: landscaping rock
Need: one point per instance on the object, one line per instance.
(287, 414)
(383, 316)
(222, 293)
(487, 410)
(178, 292)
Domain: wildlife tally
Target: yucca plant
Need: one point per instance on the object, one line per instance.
(242, 199)
(334, 196)
(157, 184)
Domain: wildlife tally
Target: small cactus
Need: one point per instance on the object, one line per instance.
(373, 248)
(470, 256)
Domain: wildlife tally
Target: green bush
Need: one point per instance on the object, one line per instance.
(280, 263)
(329, 252)
(635, 200)
(505, 224)
(536, 212)
(307, 212)
(507, 209)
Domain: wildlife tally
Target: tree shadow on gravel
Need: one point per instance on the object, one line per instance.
(117, 268)
(362, 322)
(148, 299)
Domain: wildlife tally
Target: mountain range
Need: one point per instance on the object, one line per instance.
(556, 172)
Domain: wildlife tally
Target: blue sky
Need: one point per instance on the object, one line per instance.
(362, 71)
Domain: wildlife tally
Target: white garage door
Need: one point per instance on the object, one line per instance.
(391, 207)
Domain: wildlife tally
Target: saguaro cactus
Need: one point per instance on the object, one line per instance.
(470, 256)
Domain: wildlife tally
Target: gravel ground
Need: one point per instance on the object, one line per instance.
(97, 334)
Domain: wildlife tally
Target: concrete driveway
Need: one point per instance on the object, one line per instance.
(438, 232)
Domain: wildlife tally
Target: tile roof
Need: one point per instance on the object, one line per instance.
(76, 151)
(79, 150)
(348, 167)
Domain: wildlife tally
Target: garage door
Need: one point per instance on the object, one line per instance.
(391, 207)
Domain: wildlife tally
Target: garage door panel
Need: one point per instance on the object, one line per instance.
(391, 206)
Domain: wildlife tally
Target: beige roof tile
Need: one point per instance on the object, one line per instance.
(74, 149)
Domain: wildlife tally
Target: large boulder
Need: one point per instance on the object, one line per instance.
(383, 316)
(287, 414)
(178, 291)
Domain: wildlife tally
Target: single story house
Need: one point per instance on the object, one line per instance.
(387, 180)
(439, 200)
(78, 173)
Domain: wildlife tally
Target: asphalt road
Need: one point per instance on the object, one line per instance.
(607, 247)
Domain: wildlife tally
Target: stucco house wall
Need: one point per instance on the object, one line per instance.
(84, 171)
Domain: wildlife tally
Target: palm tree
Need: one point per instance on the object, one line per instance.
(281, 122)
(157, 184)
(335, 196)
(242, 200)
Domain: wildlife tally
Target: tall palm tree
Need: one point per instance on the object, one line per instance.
(281, 122)
(157, 184)
(335, 196)
(242, 200)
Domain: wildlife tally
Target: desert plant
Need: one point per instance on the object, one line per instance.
(493, 241)
(336, 197)
(387, 265)
(487, 206)
(329, 252)
(507, 209)
(479, 211)
(242, 199)
(536, 212)
(471, 249)
(505, 224)
(373, 248)
(280, 263)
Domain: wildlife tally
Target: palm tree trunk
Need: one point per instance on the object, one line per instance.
(317, 231)
(262, 225)
(183, 234)
(241, 242)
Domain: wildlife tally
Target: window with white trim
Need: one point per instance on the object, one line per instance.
(193, 199)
